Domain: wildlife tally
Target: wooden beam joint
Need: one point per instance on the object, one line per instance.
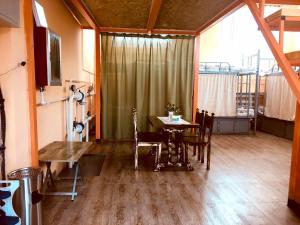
(85, 13)
(262, 8)
(154, 11)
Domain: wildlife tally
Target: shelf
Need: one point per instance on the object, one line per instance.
(291, 18)
(294, 58)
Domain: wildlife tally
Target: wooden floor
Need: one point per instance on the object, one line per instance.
(247, 184)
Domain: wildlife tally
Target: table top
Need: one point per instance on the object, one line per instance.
(157, 123)
(62, 151)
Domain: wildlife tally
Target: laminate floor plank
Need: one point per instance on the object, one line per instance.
(247, 184)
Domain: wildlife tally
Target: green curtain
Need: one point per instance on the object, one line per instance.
(145, 72)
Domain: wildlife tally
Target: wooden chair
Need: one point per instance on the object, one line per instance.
(195, 132)
(149, 139)
(203, 139)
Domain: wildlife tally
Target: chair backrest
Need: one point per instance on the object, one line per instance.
(134, 120)
(200, 118)
(208, 123)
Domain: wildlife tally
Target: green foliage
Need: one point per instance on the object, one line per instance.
(172, 108)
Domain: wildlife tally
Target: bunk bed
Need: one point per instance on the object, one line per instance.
(276, 115)
(285, 19)
(244, 111)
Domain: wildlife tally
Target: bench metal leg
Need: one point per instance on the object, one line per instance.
(50, 177)
(75, 181)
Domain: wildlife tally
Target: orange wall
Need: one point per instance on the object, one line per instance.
(51, 118)
(14, 88)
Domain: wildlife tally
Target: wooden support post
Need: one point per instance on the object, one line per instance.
(294, 187)
(28, 26)
(196, 75)
(262, 8)
(281, 34)
(98, 83)
(294, 82)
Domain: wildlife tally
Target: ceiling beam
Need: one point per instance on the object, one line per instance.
(154, 11)
(123, 30)
(145, 31)
(235, 5)
(85, 13)
(172, 31)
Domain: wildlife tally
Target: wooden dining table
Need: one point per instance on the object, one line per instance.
(173, 131)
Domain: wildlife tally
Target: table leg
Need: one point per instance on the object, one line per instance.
(158, 158)
(75, 181)
(180, 157)
(49, 175)
(169, 146)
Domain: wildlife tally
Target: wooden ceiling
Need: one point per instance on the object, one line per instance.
(188, 17)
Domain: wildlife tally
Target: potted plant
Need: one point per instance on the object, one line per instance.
(171, 109)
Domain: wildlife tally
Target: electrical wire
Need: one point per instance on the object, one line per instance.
(14, 68)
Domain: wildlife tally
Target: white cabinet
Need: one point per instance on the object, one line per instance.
(9, 13)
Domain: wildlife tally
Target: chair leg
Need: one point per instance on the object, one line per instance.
(208, 157)
(136, 157)
(194, 149)
(186, 155)
(186, 149)
(202, 153)
(199, 152)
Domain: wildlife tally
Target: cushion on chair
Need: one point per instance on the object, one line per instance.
(8, 220)
(4, 194)
(149, 137)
